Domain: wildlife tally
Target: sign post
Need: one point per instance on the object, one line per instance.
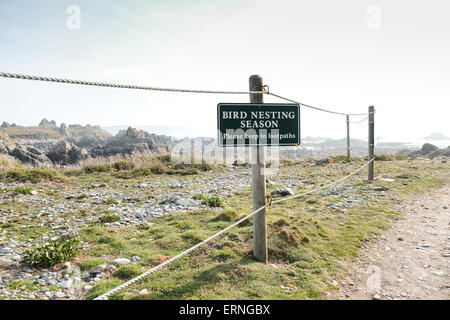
(371, 141)
(258, 160)
(257, 125)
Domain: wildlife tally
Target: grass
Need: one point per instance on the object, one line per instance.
(23, 190)
(34, 175)
(308, 243)
(128, 272)
(108, 218)
(90, 263)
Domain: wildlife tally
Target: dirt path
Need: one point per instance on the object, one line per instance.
(411, 261)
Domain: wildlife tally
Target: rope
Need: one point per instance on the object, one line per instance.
(165, 263)
(126, 86)
(122, 86)
(317, 108)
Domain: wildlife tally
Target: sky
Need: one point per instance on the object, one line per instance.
(340, 55)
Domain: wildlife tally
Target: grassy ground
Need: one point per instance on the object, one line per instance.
(310, 239)
(309, 243)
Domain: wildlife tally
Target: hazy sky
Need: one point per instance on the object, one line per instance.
(341, 55)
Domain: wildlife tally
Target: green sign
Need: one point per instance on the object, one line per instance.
(253, 124)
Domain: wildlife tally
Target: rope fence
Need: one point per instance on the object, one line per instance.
(178, 256)
(264, 90)
(150, 88)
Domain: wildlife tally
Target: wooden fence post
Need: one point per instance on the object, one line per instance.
(258, 182)
(371, 141)
(348, 137)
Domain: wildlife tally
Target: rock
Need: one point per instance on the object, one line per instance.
(87, 288)
(121, 261)
(66, 265)
(58, 295)
(143, 292)
(25, 154)
(111, 268)
(33, 192)
(186, 202)
(69, 235)
(427, 148)
(65, 284)
(376, 297)
(66, 153)
(7, 263)
(175, 185)
(98, 269)
(135, 258)
(282, 192)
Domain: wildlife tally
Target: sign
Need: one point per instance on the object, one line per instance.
(254, 124)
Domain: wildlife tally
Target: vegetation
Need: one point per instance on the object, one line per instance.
(108, 218)
(23, 190)
(128, 272)
(51, 253)
(111, 201)
(34, 175)
(213, 202)
(309, 241)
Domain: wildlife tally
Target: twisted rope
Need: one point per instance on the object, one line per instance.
(114, 85)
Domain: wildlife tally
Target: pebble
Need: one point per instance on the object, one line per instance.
(121, 261)
(143, 292)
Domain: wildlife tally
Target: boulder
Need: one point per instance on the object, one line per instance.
(427, 148)
(24, 154)
(66, 153)
(121, 261)
(282, 192)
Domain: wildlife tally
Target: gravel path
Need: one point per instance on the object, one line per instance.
(411, 261)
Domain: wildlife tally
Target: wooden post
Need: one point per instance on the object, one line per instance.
(371, 141)
(258, 182)
(348, 137)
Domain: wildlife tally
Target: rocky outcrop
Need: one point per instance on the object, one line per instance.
(25, 154)
(130, 142)
(66, 153)
(430, 151)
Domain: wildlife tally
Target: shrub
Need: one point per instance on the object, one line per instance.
(111, 201)
(128, 272)
(82, 196)
(109, 217)
(23, 190)
(167, 159)
(213, 202)
(91, 168)
(226, 215)
(157, 168)
(51, 253)
(141, 172)
(123, 165)
(35, 175)
(199, 196)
